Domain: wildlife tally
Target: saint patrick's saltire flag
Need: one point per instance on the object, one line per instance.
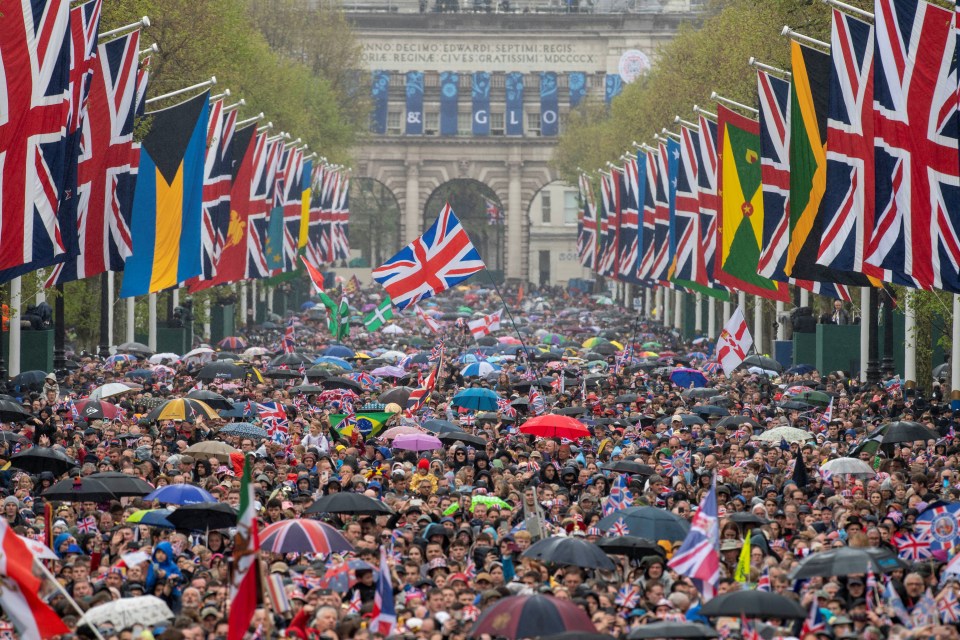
(741, 208)
(168, 200)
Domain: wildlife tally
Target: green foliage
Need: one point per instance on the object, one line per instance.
(701, 59)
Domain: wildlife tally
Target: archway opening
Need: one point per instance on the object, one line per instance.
(552, 234)
(374, 222)
(480, 212)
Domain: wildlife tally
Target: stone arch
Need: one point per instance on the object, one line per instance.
(551, 221)
(468, 198)
(375, 219)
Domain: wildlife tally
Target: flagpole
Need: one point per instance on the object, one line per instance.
(63, 592)
(510, 315)
(200, 85)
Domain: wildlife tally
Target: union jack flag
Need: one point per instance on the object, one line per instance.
(912, 547)
(275, 419)
(107, 171)
(289, 342)
(340, 217)
(824, 420)
(686, 221)
(698, 557)
(678, 464)
(87, 525)
(291, 199)
(647, 174)
(949, 606)
(504, 407)
(439, 259)
(775, 169)
(667, 164)
(355, 603)
(618, 529)
(34, 108)
(627, 596)
(747, 630)
(628, 250)
(892, 386)
(266, 159)
(217, 174)
(494, 213)
(870, 593)
(537, 405)
(815, 622)
(763, 584)
(610, 221)
(437, 351)
(418, 397)
(587, 224)
(620, 496)
(468, 419)
(709, 200)
(917, 180)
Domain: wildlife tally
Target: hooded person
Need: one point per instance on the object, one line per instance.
(163, 566)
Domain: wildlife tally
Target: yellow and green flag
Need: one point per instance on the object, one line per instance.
(741, 208)
(368, 425)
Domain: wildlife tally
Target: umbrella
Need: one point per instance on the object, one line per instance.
(79, 490)
(127, 612)
(213, 399)
(555, 426)
(290, 359)
(12, 412)
(800, 369)
(303, 536)
(342, 383)
(530, 616)
(628, 466)
(576, 635)
(818, 398)
(476, 398)
(400, 430)
(846, 561)
(161, 358)
(210, 448)
(98, 410)
(307, 388)
(736, 421)
(790, 434)
(441, 426)
(665, 629)
(852, 467)
(253, 352)
(31, 379)
(571, 552)
(179, 494)
(345, 502)
(10, 436)
(200, 354)
(245, 430)
(686, 418)
(202, 516)
(687, 378)
(151, 518)
(479, 369)
(906, 431)
(118, 358)
(239, 410)
(389, 371)
(225, 370)
(339, 351)
(630, 546)
(135, 347)
(232, 343)
(763, 362)
(400, 395)
(748, 517)
(467, 438)
(649, 522)
(699, 393)
(122, 484)
(706, 410)
(753, 604)
(184, 409)
(40, 459)
(112, 389)
(417, 442)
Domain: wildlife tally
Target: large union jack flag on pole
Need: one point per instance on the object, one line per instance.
(436, 261)
(699, 557)
(610, 219)
(629, 240)
(915, 232)
(775, 169)
(34, 106)
(587, 225)
(686, 226)
(709, 199)
(647, 173)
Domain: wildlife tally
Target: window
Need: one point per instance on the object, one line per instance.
(431, 123)
(464, 123)
(394, 123)
(496, 123)
(498, 80)
(545, 206)
(533, 123)
(571, 207)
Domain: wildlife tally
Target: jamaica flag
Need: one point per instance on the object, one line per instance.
(741, 208)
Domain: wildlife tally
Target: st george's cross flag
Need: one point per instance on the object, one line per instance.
(436, 261)
(486, 325)
(734, 342)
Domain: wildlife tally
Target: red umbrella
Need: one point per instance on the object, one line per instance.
(530, 617)
(98, 410)
(303, 536)
(553, 425)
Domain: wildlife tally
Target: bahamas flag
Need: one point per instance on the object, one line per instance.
(369, 425)
(741, 208)
(168, 200)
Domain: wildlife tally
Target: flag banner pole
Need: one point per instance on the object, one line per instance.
(223, 94)
(154, 48)
(671, 134)
(236, 105)
(200, 85)
(799, 37)
(843, 6)
(73, 603)
(753, 62)
(700, 111)
(510, 315)
(733, 103)
(686, 123)
(142, 22)
(263, 128)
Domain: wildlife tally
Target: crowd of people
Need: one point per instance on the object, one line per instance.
(461, 517)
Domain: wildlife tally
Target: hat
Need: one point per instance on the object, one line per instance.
(483, 576)
(51, 376)
(437, 563)
(279, 567)
(663, 602)
(731, 545)
(209, 611)
(423, 464)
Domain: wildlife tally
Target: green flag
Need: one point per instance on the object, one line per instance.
(366, 424)
(338, 320)
(379, 316)
(327, 301)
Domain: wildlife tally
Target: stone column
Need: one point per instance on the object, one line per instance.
(514, 228)
(412, 212)
(781, 325)
(678, 310)
(698, 314)
(711, 317)
(910, 348)
(865, 294)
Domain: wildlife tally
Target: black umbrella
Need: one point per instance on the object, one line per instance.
(467, 438)
(40, 459)
(79, 489)
(441, 426)
(572, 552)
(846, 561)
(764, 362)
(705, 410)
(688, 630)
(29, 379)
(203, 516)
(687, 419)
(355, 503)
(753, 604)
(747, 517)
(212, 398)
(291, 359)
(906, 431)
(122, 484)
(342, 383)
(10, 436)
(221, 370)
(701, 393)
(736, 421)
(136, 348)
(567, 411)
(282, 374)
(13, 412)
(628, 466)
(576, 635)
(626, 398)
(631, 546)
(400, 395)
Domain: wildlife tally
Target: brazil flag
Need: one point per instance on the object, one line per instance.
(369, 425)
(741, 208)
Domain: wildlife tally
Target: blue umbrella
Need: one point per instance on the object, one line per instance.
(244, 430)
(239, 411)
(145, 374)
(339, 351)
(477, 399)
(152, 518)
(180, 494)
(649, 522)
(340, 362)
(468, 358)
(801, 369)
(687, 378)
(478, 369)
(309, 304)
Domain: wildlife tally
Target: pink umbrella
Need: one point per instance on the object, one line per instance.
(303, 536)
(417, 442)
(402, 430)
(389, 371)
(509, 340)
